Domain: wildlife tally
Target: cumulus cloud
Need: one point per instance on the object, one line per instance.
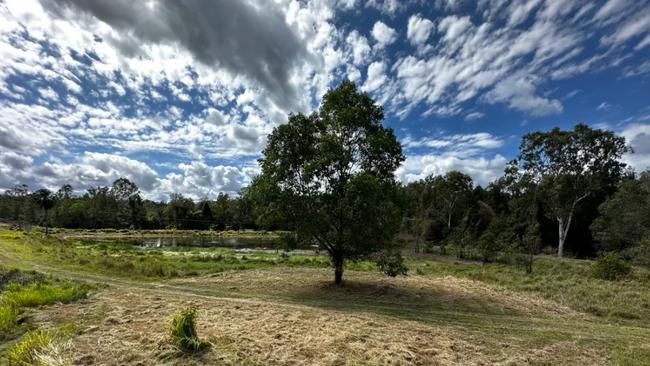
(383, 34)
(482, 170)
(468, 153)
(637, 136)
(418, 29)
(195, 179)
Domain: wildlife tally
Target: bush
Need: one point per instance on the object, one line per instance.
(391, 263)
(183, 331)
(611, 266)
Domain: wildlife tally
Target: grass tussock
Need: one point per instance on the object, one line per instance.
(40, 348)
(183, 332)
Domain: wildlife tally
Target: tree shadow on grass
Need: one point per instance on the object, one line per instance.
(423, 301)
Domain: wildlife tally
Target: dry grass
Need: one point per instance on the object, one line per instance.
(126, 326)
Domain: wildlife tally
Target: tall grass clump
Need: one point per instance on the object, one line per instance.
(8, 316)
(40, 348)
(611, 266)
(38, 294)
(183, 331)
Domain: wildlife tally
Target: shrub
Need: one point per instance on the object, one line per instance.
(391, 263)
(611, 266)
(183, 331)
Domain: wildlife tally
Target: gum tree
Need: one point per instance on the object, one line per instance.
(330, 175)
(569, 166)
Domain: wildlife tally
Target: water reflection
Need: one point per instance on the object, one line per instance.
(196, 241)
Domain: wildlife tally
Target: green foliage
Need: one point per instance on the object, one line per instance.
(611, 266)
(183, 331)
(569, 166)
(330, 175)
(391, 263)
(625, 216)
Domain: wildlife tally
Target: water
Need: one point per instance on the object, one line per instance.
(195, 241)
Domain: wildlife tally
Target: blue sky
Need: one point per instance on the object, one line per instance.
(179, 96)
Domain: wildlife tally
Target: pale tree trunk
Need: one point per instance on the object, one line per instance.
(563, 231)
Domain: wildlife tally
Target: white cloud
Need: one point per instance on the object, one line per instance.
(360, 48)
(376, 76)
(637, 136)
(519, 94)
(603, 106)
(383, 34)
(418, 29)
(474, 115)
(453, 27)
(482, 170)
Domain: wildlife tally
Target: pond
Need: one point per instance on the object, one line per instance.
(193, 241)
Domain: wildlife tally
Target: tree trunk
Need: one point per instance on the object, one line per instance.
(338, 269)
(563, 231)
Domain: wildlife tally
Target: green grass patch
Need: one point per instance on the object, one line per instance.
(567, 282)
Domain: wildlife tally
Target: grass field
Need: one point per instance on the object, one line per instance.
(272, 309)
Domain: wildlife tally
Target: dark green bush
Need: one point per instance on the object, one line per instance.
(391, 263)
(183, 331)
(611, 266)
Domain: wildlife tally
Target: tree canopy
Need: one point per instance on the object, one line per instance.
(331, 175)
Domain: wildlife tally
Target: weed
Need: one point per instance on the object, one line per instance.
(183, 331)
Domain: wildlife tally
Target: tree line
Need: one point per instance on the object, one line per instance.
(121, 206)
(328, 178)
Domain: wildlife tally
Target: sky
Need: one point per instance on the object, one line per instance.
(179, 96)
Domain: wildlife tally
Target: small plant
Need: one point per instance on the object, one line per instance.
(391, 263)
(611, 266)
(183, 331)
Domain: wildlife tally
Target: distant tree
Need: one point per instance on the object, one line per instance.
(569, 166)
(222, 212)
(451, 189)
(625, 216)
(179, 210)
(45, 200)
(418, 219)
(331, 175)
(206, 214)
(123, 188)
